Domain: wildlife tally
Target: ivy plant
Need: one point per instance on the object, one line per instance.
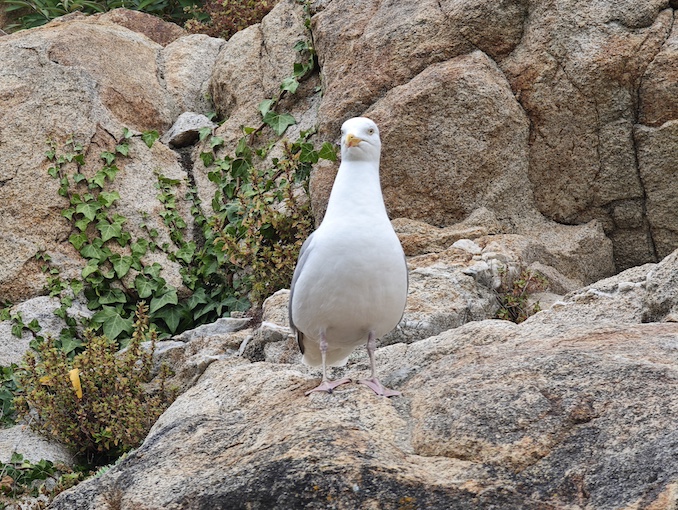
(230, 260)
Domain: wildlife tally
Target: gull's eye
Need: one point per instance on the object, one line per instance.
(370, 131)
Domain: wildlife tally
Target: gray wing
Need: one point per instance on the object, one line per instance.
(407, 288)
(303, 256)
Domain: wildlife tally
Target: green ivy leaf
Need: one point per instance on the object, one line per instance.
(186, 252)
(112, 322)
(112, 296)
(89, 209)
(264, 107)
(34, 326)
(124, 238)
(153, 270)
(307, 153)
(99, 179)
(107, 198)
(216, 141)
(149, 137)
(204, 132)
(93, 252)
(109, 230)
(82, 224)
(290, 84)
(199, 297)
(172, 316)
(139, 248)
(168, 297)
(110, 171)
(69, 343)
(77, 286)
(207, 158)
(144, 286)
(301, 45)
(121, 264)
(328, 151)
(123, 149)
(77, 240)
(91, 267)
(240, 168)
(108, 157)
(279, 122)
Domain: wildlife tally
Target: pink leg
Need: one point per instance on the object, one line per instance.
(326, 385)
(373, 382)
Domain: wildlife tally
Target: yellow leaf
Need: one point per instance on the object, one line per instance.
(75, 381)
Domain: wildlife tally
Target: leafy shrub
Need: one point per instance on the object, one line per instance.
(95, 403)
(33, 13)
(267, 218)
(223, 18)
(514, 292)
(8, 387)
(21, 479)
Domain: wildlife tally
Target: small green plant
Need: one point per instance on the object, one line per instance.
(514, 292)
(262, 206)
(20, 478)
(223, 18)
(267, 218)
(33, 13)
(8, 388)
(95, 403)
(116, 276)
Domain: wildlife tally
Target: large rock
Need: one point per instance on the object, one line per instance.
(552, 413)
(582, 78)
(577, 74)
(455, 140)
(72, 78)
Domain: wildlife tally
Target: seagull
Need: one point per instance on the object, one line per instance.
(350, 284)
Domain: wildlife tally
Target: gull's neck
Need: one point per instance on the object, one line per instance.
(356, 192)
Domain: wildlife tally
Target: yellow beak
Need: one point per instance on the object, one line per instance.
(352, 140)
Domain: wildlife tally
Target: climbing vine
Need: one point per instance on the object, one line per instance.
(237, 255)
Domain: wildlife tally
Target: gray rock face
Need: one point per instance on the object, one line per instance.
(186, 130)
(552, 413)
(519, 133)
(586, 78)
(72, 79)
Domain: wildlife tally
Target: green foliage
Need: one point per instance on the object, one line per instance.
(223, 18)
(95, 403)
(21, 478)
(115, 275)
(264, 214)
(262, 206)
(8, 388)
(514, 292)
(33, 13)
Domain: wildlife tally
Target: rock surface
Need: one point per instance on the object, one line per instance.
(71, 79)
(516, 134)
(585, 78)
(552, 413)
(483, 106)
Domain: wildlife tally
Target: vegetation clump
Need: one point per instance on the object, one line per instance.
(514, 293)
(96, 402)
(217, 18)
(223, 18)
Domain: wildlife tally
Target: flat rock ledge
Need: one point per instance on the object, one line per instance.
(543, 415)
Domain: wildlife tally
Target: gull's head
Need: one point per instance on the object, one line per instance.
(360, 140)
